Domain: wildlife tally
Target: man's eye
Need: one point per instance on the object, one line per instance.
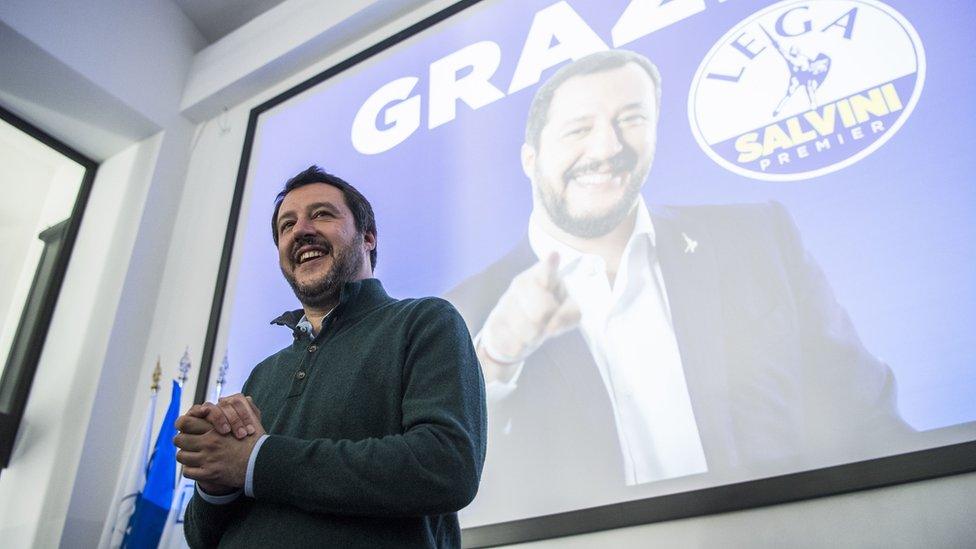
(576, 131)
(632, 120)
(321, 213)
(285, 226)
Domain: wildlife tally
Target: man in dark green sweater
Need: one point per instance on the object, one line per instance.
(368, 430)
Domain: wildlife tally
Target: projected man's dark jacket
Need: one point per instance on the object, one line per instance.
(774, 367)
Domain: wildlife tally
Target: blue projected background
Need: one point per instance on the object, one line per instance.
(892, 231)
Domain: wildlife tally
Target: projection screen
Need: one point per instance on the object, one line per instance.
(698, 244)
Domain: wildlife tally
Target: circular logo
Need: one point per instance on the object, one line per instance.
(802, 89)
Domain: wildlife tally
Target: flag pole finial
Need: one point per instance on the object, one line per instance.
(222, 375)
(157, 373)
(184, 367)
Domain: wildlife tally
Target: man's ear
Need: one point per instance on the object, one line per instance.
(528, 160)
(369, 239)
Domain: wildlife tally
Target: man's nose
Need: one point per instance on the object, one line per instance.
(604, 142)
(303, 227)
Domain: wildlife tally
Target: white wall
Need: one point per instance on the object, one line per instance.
(138, 52)
(106, 81)
(35, 486)
(119, 388)
(141, 283)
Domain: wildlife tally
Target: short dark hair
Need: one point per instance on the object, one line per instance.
(362, 210)
(593, 63)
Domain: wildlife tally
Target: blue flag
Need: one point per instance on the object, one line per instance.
(152, 506)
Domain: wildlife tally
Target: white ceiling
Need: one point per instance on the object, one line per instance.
(218, 18)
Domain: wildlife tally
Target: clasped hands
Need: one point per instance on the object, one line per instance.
(215, 442)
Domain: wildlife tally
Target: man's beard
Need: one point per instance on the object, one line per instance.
(596, 224)
(346, 264)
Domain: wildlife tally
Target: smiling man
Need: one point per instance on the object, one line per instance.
(623, 344)
(368, 430)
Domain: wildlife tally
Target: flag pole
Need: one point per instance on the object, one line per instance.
(133, 477)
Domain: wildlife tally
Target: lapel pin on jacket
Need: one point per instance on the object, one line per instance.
(690, 244)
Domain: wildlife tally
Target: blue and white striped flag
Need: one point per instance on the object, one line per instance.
(152, 505)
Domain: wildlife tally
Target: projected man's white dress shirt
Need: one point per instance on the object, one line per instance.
(627, 327)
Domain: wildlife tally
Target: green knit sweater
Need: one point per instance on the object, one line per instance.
(377, 432)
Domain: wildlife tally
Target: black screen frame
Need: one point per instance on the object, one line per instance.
(850, 477)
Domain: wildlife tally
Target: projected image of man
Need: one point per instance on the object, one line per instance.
(624, 344)
(589, 146)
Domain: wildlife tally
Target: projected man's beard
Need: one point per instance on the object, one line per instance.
(323, 290)
(623, 171)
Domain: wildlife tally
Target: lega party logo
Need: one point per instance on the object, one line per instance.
(805, 88)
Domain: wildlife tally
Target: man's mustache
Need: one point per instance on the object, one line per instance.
(310, 240)
(624, 161)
